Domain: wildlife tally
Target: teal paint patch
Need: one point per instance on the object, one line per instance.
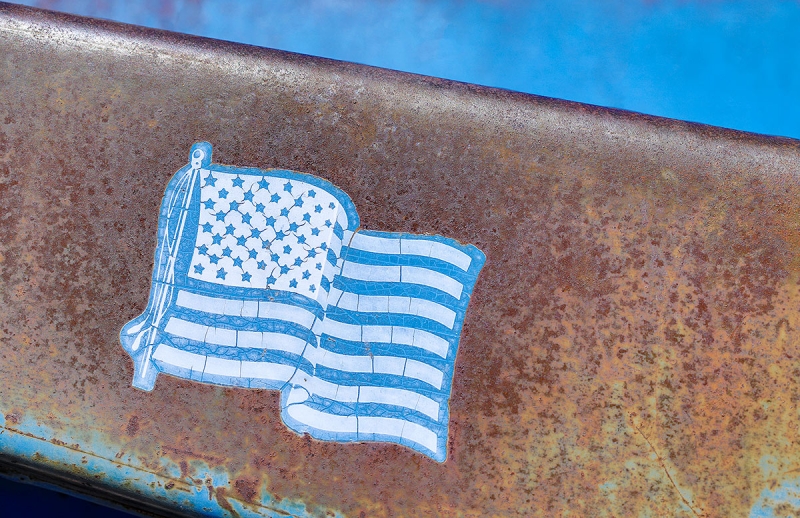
(91, 459)
(787, 494)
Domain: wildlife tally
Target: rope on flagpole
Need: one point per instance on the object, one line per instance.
(144, 332)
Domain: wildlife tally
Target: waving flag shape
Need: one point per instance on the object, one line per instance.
(262, 279)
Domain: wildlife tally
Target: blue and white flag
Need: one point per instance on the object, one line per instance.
(263, 279)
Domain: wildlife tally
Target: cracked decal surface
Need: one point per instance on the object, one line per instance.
(263, 279)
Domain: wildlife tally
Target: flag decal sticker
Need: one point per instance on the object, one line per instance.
(263, 279)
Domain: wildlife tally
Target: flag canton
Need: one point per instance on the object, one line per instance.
(262, 231)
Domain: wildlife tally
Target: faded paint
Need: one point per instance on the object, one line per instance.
(630, 349)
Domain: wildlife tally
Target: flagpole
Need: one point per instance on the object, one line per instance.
(164, 274)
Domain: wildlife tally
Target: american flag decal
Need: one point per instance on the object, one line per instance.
(263, 279)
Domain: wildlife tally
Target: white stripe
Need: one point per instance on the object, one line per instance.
(267, 370)
(429, 309)
(388, 365)
(377, 365)
(333, 296)
(398, 428)
(323, 420)
(318, 328)
(184, 329)
(348, 300)
(376, 334)
(218, 306)
(340, 330)
(195, 301)
(426, 277)
(250, 339)
(380, 245)
(366, 425)
(333, 391)
(200, 333)
(424, 372)
(347, 236)
(427, 341)
(232, 338)
(436, 250)
(335, 244)
(239, 308)
(404, 274)
(166, 354)
(221, 336)
(283, 342)
(278, 311)
(223, 367)
(372, 304)
(383, 426)
(368, 272)
(400, 397)
(393, 304)
(405, 246)
(245, 308)
(211, 365)
(343, 362)
(296, 395)
(387, 334)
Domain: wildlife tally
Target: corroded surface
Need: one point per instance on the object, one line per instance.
(632, 343)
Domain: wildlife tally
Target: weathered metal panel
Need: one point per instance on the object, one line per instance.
(631, 345)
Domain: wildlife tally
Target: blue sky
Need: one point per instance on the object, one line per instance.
(729, 63)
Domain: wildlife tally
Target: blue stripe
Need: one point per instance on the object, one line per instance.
(400, 289)
(325, 284)
(232, 381)
(351, 348)
(354, 255)
(391, 319)
(332, 257)
(374, 410)
(252, 294)
(478, 257)
(238, 353)
(241, 323)
(330, 406)
(369, 379)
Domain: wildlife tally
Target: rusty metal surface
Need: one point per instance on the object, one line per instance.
(631, 348)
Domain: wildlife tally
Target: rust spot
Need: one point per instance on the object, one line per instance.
(169, 485)
(247, 488)
(13, 417)
(210, 487)
(786, 509)
(133, 425)
(219, 493)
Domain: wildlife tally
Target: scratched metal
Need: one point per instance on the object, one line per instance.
(631, 348)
